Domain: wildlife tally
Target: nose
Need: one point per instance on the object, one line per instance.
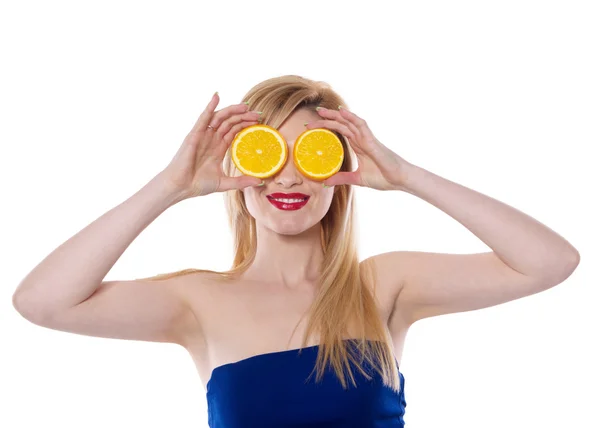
(289, 175)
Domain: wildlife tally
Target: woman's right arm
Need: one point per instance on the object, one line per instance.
(66, 290)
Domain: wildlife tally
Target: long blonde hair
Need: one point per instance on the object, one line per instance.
(346, 291)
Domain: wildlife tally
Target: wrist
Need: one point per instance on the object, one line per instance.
(410, 174)
(165, 190)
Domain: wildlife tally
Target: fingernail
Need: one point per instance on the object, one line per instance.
(305, 123)
(261, 184)
(259, 112)
(339, 107)
(318, 108)
(246, 102)
(216, 93)
(325, 185)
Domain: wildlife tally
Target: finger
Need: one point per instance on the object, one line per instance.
(228, 138)
(358, 122)
(241, 182)
(235, 128)
(235, 120)
(332, 124)
(337, 115)
(220, 116)
(206, 115)
(343, 177)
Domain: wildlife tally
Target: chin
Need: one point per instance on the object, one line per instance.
(288, 227)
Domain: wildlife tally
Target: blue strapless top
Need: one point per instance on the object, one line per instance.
(272, 390)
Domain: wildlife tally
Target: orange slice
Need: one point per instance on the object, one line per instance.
(259, 151)
(318, 153)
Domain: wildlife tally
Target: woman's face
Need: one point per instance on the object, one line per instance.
(290, 180)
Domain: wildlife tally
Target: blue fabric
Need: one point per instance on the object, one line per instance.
(274, 390)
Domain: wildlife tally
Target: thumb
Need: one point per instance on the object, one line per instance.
(241, 182)
(343, 177)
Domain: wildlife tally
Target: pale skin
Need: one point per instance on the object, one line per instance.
(289, 242)
(220, 321)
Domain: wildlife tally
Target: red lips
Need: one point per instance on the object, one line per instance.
(288, 195)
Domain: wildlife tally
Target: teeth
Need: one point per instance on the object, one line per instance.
(289, 201)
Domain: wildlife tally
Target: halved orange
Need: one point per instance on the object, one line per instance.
(259, 151)
(318, 153)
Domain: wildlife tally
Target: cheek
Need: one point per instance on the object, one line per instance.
(256, 203)
(324, 202)
(251, 199)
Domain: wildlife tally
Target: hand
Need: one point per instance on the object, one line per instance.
(197, 168)
(378, 167)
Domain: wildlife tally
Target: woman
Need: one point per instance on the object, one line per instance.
(298, 332)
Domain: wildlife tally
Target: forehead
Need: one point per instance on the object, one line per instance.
(294, 124)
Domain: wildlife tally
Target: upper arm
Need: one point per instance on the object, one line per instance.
(431, 284)
(147, 310)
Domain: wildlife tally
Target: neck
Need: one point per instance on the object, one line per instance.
(289, 260)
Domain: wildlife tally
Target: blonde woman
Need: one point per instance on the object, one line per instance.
(299, 332)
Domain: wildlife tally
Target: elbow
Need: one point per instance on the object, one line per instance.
(576, 259)
(561, 271)
(23, 306)
(17, 301)
(572, 263)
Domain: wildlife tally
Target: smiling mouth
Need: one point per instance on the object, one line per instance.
(288, 200)
(288, 204)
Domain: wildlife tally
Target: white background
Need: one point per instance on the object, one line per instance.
(501, 97)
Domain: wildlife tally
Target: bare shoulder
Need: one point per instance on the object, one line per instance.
(196, 283)
(387, 280)
(431, 284)
(202, 292)
(387, 269)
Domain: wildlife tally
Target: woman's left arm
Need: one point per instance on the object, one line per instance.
(520, 241)
(527, 256)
